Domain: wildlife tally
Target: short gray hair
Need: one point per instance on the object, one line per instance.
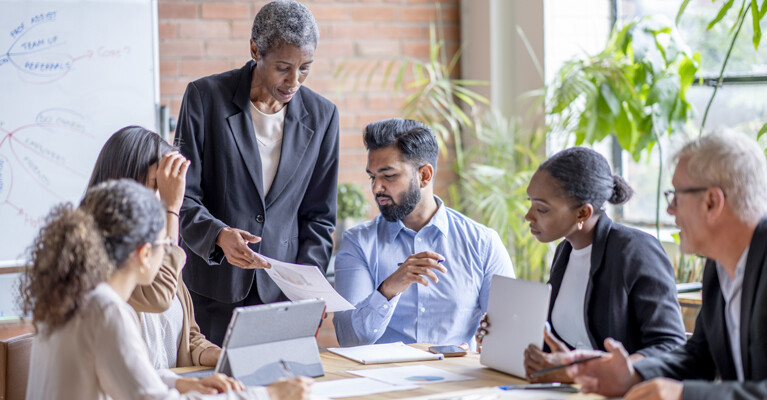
(733, 162)
(284, 22)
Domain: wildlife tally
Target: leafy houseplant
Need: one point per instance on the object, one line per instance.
(493, 185)
(352, 207)
(635, 88)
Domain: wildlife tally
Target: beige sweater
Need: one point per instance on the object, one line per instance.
(158, 296)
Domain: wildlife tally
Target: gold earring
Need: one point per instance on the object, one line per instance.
(580, 225)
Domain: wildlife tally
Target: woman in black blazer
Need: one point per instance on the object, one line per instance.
(608, 280)
(264, 167)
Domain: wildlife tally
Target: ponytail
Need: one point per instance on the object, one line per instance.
(622, 192)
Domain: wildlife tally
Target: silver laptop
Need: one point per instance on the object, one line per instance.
(517, 311)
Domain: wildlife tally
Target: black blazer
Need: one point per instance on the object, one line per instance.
(707, 354)
(224, 185)
(631, 294)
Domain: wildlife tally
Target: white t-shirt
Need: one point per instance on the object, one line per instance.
(162, 334)
(568, 317)
(268, 128)
(99, 354)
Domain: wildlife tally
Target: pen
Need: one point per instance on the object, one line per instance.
(286, 370)
(558, 367)
(439, 261)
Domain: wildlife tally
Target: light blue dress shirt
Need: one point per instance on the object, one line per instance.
(447, 312)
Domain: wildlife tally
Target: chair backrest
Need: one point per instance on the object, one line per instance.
(14, 366)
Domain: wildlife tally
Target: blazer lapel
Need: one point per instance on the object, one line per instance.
(295, 140)
(712, 313)
(241, 126)
(598, 247)
(754, 263)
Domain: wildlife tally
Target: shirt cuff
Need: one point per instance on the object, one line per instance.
(381, 305)
(258, 393)
(168, 377)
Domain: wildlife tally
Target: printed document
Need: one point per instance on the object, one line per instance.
(300, 282)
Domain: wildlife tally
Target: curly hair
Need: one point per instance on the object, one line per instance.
(68, 260)
(127, 215)
(78, 248)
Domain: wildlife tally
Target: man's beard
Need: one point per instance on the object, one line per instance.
(401, 208)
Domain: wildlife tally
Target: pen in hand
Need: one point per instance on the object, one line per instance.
(545, 371)
(286, 370)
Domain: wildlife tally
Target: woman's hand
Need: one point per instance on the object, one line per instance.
(290, 389)
(209, 356)
(536, 360)
(481, 331)
(234, 243)
(171, 179)
(216, 383)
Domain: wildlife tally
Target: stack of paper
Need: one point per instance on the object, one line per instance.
(384, 353)
(300, 282)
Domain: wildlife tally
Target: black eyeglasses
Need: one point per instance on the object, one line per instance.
(671, 194)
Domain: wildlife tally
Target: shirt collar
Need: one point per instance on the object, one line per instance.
(438, 220)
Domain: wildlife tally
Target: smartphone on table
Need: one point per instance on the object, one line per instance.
(448, 351)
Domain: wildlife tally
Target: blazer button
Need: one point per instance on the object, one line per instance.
(259, 218)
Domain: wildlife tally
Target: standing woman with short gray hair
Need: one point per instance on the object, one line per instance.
(264, 168)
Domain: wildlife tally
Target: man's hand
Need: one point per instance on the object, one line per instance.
(656, 389)
(413, 270)
(171, 179)
(291, 389)
(612, 375)
(216, 383)
(234, 243)
(536, 360)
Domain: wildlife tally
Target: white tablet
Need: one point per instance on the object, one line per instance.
(517, 311)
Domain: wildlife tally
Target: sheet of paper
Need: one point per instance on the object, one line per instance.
(411, 375)
(384, 353)
(300, 282)
(355, 387)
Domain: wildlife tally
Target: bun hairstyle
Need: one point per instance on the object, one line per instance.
(586, 177)
(78, 248)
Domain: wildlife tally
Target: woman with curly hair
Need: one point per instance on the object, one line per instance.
(165, 308)
(85, 263)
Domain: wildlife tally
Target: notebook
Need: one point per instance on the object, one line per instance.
(384, 353)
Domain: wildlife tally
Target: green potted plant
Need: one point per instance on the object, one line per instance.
(352, 207)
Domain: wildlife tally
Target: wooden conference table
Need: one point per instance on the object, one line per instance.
(336, 367)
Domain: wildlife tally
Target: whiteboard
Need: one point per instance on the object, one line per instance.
(71, 74)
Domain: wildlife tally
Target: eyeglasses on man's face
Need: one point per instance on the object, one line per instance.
(671, 194)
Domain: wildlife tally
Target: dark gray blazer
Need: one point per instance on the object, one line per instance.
(224, 185)
(707, 355)
(631, 294)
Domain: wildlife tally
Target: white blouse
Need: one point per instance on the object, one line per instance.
(268, 128)
(99, 354)
(568, 315)
(162, 333)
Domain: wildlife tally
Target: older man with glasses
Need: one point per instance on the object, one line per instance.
(719, 202)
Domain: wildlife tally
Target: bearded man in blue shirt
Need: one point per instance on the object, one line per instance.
(420, 271)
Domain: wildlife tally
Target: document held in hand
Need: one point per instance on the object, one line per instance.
(384, 353)
(300, 282)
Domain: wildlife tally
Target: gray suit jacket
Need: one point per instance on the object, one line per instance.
(224, 187)
(707, 354)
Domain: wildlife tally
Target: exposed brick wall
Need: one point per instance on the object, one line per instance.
(199, 38)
